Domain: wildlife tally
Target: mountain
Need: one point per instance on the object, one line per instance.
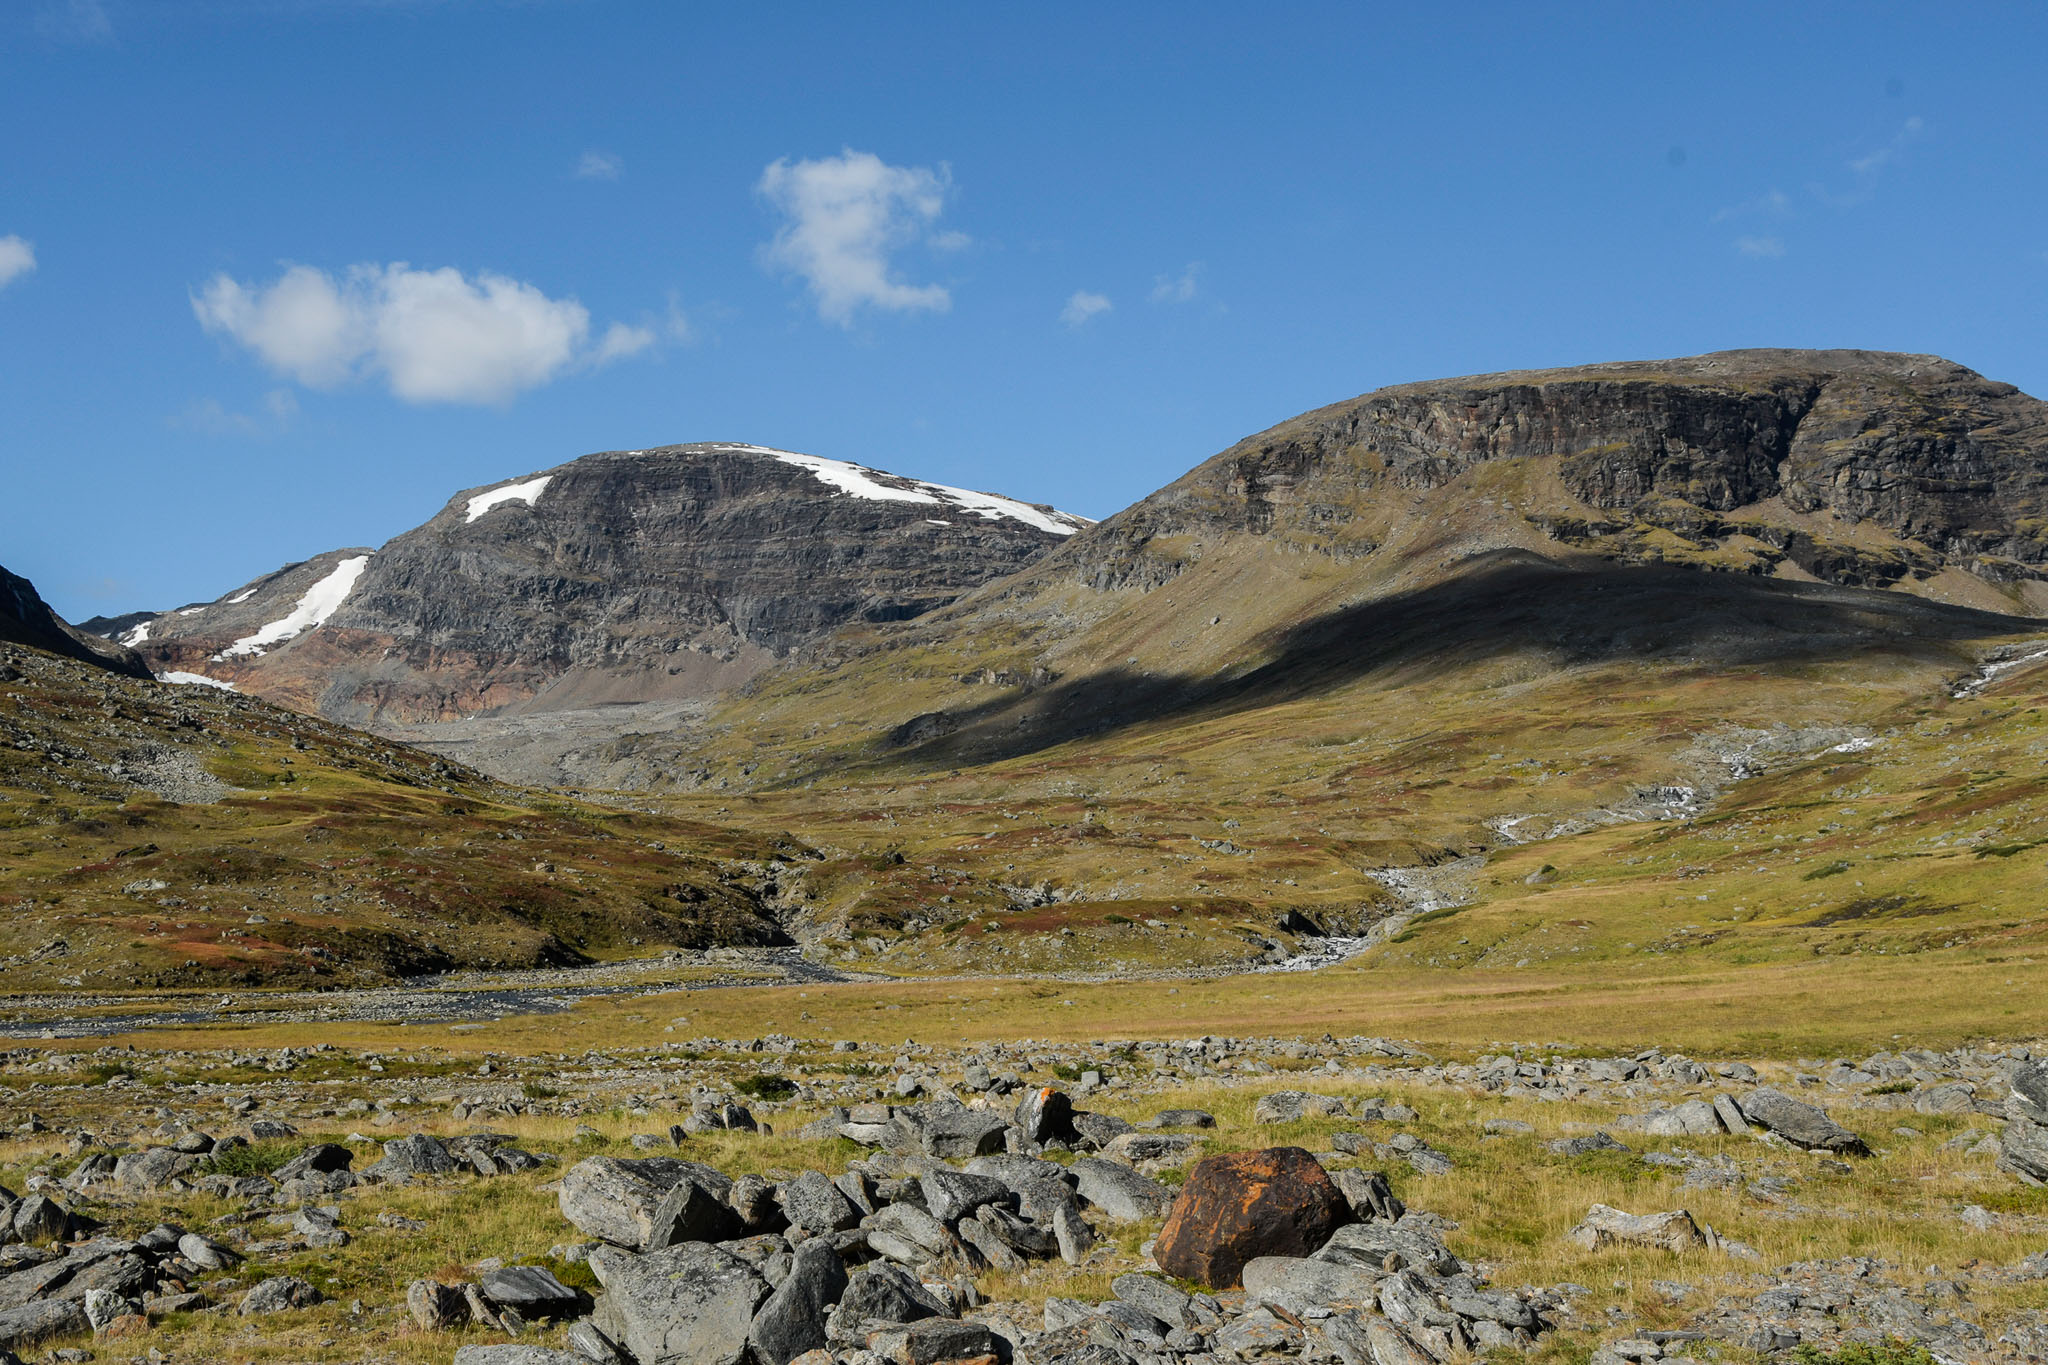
(25, 619)
(631, 576)
(1398, 634)
(156, 836)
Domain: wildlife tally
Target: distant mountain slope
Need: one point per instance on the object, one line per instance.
(1416, 626)
(154, 835)
(626, 576)
(25, 619)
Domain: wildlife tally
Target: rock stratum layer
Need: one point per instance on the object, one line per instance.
(625, 576)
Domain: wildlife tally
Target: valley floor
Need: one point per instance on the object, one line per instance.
(1927, 1238)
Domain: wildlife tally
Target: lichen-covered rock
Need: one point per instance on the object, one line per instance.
(683, 1305)
(1243, 1205)
(1605, 1226)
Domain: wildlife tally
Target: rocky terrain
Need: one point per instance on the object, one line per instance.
(1206, 1200)
(623, 577)
(157, 836)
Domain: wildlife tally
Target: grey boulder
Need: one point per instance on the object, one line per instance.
(614, 1199)
(792, 1321)
(279, 1294)
(1799, 1123)
(1120, 1192)
(683, 1305)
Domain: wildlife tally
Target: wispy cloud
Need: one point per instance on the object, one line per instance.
(74, 21)
(432, 336)
(1771, 204)
(599, 166)
(17, 258)
(210, 417)
(1775, 206)
(1180, 288)
(1873, 162)
(1082, 306)
(844, 217)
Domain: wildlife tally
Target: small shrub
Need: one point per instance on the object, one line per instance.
(1066, 1071)
(765, 1085)
(1890, 1088)
(1830, 870)
(1890, 1351)
(534, 1090)
(252, 1158)
(1117, 919)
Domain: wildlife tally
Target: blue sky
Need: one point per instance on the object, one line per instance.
(282, 275)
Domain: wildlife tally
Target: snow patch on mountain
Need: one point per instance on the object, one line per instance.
(862, 482)
(136, 636)
(196, 680)
(527, 492)
(319, 603)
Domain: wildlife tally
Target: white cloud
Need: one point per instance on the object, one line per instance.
(211, 418)
(599, 166)
(1082, 305)
(17, 258)
(1909, 133)
(843, 217)
(1763, 247)
(620, 341)
(1181, 289)
(434, 336)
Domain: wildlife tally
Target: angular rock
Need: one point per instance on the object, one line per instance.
(885, 1292)
(206, 1253)
(419, 1154)
(2023, 1151)
(792, 1321)
(515, 1355)
(813, 1204)
(39, 1218)
(2028, 1098)
(932, 1341)
(904, 1232)
(1369, 1195)
(683, 1305)
(1237, 1207)
(1093, 1132)
(953, 1195)
(1605, 1226)
(1286, 1106)
(1181, 1118)
(152, 1168)
(31, 1324)
(436, 1307)
(691, 1211)
(1046, 1115)
(1799, 1123)
(946, 1130)
(531, 1289)
(1298, 1284)
(1120, 1192)
(1391, 1247)
(280, 1293)
(614, 1199)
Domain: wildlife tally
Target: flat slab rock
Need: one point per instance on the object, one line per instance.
(1799, 1123)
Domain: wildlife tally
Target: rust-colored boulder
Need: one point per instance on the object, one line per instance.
(1242, 1205)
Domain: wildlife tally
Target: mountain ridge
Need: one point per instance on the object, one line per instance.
(624, 576)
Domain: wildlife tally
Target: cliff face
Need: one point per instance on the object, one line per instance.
(1855, 467)
(25, 619)
(623, 576)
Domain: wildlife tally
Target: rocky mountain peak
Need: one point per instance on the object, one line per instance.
(624, 576)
